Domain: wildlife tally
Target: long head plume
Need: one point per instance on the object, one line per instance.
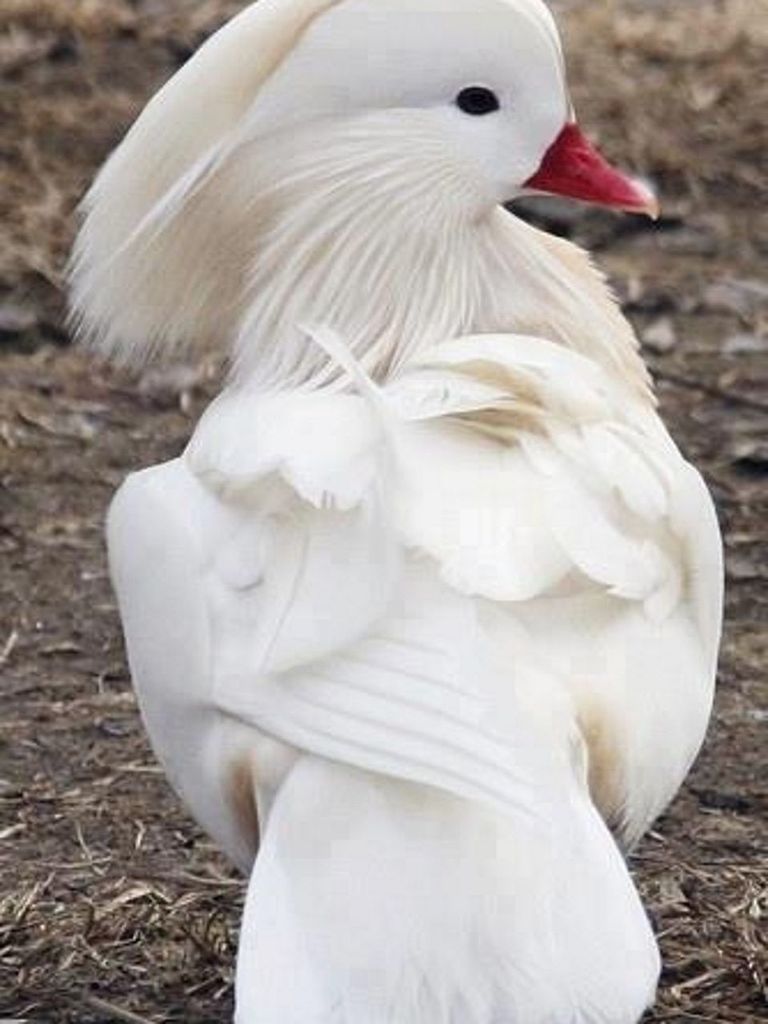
(145, 277)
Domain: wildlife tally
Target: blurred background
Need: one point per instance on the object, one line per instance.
(112, 905)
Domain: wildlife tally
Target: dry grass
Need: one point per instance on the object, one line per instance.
(112, 905)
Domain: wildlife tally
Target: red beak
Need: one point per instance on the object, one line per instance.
(573, 167)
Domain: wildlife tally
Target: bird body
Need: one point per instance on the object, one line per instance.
(428, 610)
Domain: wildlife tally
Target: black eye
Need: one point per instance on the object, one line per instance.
(476, 99)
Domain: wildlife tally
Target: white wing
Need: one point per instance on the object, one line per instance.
(563, 499)
(219, 591)
(262, 590)
(280, 580)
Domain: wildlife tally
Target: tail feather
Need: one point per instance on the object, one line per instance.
(375, 901)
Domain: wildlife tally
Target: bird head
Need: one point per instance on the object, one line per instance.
(484, 78)
(323, 120)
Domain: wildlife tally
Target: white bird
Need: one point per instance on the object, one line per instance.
(431, 602)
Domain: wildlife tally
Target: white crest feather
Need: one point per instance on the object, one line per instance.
(134, 289)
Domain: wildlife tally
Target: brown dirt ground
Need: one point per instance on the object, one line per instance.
(112, 905)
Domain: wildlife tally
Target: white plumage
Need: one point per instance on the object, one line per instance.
(431, 600)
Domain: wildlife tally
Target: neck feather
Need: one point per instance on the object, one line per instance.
(396, 253)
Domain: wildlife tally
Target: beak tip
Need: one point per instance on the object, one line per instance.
(649, 202)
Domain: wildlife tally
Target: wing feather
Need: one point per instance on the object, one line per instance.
(341, 551)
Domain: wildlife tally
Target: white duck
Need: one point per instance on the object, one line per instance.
(431, 597)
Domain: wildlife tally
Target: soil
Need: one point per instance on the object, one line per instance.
(113, 906)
